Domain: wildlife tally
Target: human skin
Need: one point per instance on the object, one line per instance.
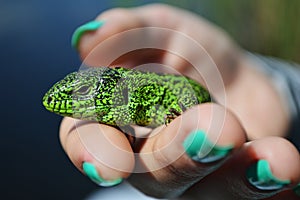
(256, 117)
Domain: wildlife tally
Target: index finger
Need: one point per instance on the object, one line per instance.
(97, 149)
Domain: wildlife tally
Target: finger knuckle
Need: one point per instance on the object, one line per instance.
(115, 12)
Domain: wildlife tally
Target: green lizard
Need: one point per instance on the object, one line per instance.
(121, 97)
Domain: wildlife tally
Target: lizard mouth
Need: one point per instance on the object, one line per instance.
(47, 101)
(53, 105)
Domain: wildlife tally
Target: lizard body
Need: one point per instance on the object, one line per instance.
(121, 97)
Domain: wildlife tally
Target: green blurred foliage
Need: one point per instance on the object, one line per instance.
(269, 27)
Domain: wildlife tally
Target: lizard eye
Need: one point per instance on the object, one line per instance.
(83, 90)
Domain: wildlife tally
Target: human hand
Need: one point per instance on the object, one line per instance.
(165, 158)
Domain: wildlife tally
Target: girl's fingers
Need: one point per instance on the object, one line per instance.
(99, 151)
(264, 168)
(156, 34)
(118, 37)
(277, 164)
(187, 150)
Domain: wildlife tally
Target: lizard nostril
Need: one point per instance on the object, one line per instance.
(49, 100)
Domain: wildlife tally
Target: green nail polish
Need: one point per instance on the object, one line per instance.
(297, 190)
(261, 177)
(199, 148)
(90, 26)
(91, 172)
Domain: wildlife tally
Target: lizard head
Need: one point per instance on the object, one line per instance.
(78, 93)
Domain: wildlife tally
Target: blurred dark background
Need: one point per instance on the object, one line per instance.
(35, 52)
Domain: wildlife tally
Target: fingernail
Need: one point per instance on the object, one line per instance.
(297, 190)
(91, 172)
(90, 26)
(199, 148)
(260, 176)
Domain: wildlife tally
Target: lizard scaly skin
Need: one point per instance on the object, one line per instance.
(121, 97)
